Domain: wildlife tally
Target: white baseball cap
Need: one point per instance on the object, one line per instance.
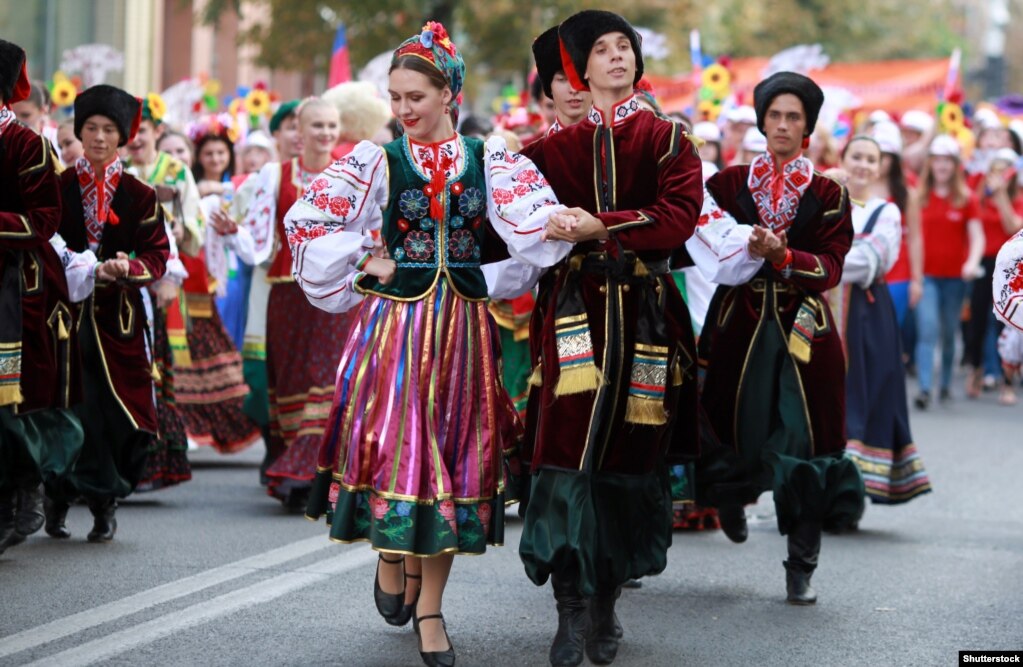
(944, 145)
(754, 141)
(921, 121)
(707, 131)
(879, 116)
(258, 139)
(888, 137)
(743, 114)
(1005, 155)
(985, 118)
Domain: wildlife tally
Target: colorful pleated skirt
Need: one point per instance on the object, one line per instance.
(413, 457)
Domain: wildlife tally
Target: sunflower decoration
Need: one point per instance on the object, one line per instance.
(967, 140)
(257, 102)
(154, 108)
(717, 79)
(715, 88)
(951, 118)
(210, 93)
(708, 110)
(63, 91)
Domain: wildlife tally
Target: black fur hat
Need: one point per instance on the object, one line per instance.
(577, 35)
(781, 83)
(14, 84)
(117, 105)
(547, 54)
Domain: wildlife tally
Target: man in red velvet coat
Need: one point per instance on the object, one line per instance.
(112, 214)
(612, 345)
(39, 437)
(773, 234)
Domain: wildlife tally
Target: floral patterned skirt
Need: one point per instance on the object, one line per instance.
(412, 460)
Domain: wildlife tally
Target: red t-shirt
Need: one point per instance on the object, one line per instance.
(900, 272)
(994, 234)
(946, 241)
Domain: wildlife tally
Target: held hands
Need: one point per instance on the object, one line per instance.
(222, 223)
(765, 243)
(574, 225)
(210, 188)
(112, 269)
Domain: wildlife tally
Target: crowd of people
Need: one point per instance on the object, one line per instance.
(625, 321)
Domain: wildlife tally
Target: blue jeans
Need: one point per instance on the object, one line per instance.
(938, 314)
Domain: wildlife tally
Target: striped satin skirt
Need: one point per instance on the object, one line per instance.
(413, 456)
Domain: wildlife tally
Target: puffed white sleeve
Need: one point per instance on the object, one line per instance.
(720, 246)
(257, 220)
(519, 203)
(1007, 282)
(875, 253)
(79, 268)
(330, 229)
(510, 278)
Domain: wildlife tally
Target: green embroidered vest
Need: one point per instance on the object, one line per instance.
(428, 250)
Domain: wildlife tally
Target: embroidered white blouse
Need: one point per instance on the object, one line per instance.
(873, 254)
(329, 244)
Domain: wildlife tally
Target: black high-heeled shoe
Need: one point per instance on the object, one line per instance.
(407, 610)
(444, 658)
(388, 604)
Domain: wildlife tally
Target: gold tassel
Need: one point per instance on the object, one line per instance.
(640, 270)
(62, 332)
(645, 411)
(155, 373)
(536, 377)
(579, 379)
(799, 348)
(11, 395)
(676, 374)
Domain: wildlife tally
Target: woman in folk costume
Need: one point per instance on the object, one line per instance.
(112, 214)
(413, 459)
(1007, 292)
(40, 438)
(302, 342)
(167, 463)
(774, 235)
(209, 387)
(876, 408)
(612, 344)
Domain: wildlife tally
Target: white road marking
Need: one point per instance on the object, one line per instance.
(203, 612)
(90, 618)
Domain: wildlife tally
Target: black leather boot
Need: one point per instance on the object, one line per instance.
(104, 525)
(28, 518)
(602, 640)
(8, 504)
(56, 518)
(567, 648)
(733, 522)
(804, 547)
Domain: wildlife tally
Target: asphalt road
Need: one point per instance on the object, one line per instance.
(214, 573)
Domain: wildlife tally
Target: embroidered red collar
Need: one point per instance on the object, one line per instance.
(97, 192)
(620, 112)
(777, 193)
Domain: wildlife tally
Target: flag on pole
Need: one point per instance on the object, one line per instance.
(340, 67)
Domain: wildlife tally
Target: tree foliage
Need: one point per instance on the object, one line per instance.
(496, 35)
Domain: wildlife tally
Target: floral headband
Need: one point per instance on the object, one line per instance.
(221, 124)
(435, 47)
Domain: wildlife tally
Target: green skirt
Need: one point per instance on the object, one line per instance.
(39, 447)
(600, 528)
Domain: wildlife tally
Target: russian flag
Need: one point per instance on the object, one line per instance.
(340, 67)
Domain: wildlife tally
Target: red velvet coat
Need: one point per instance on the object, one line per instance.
(29, 216)
(119, 321)
(819, 238)
(654, 195)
